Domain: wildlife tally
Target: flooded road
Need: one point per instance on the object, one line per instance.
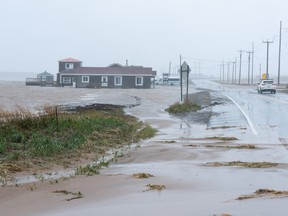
(265, 114)
(177, 157)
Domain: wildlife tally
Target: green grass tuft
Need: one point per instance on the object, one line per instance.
(183, 108)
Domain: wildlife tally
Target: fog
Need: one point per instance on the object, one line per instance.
(35, 34)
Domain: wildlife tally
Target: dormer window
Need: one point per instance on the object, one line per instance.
(69, 66)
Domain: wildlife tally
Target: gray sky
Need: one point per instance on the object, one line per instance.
(36, 34)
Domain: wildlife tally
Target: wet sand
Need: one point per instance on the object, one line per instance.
(175, 157)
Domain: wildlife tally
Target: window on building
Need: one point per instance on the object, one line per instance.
(139, 81)
(118, 81)
(85, 79)
(69, 65)
(66, 79)
(104, 79)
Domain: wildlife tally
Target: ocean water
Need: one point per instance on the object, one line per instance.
(17, 76)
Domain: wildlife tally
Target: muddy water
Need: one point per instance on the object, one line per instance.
(176, 157)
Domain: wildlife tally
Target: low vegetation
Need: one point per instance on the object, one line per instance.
(185, 107)
(53, 135)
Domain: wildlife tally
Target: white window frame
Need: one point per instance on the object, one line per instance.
(104, 79)
(116, 79)
(141, 81)
(85, 79)
(69, 66)
(66, 80)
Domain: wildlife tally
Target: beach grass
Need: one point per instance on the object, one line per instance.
(52, 134)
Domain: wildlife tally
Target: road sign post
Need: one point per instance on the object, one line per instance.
(184, 74)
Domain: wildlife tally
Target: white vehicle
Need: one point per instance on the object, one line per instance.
(266, 86)
(173, 81)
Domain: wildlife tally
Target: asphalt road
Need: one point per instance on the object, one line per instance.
(265, 115)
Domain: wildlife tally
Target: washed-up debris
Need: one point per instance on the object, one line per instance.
(222, 138)
(155, 187)
(242, 164)
(169, 141)
(221, 127)
(247, 146)
(10, 167)
(265, 193)
(6, 172)
(142, 175)
(222, 214)
(77, 195)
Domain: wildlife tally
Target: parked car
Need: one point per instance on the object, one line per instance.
(266, 86)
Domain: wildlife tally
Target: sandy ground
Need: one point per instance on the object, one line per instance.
(175, 157)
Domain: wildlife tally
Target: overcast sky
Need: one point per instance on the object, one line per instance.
(36, 34)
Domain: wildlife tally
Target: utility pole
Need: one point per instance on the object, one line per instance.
(267, 60)
(223, 71)
(220, 73)
(199, 69)
(228, 71)
(232, 79)
(249, 54)
(252, 69)
(195, 69)
(240, 65)
(279, 53)
(260, 73)
(181, 88)
(235, 70)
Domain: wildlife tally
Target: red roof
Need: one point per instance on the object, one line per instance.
(69, 60)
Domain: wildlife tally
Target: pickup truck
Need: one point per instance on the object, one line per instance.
(266, 86)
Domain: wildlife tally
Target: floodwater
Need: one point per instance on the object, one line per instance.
(176, 157)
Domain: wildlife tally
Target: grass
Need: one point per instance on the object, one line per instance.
(91, 169)
(54, 135)
(178, 108)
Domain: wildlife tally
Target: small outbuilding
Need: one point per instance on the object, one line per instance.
(43, 79)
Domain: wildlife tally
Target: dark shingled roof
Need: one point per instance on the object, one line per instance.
(122, 71)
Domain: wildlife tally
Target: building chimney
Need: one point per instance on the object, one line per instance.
(126, 62)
